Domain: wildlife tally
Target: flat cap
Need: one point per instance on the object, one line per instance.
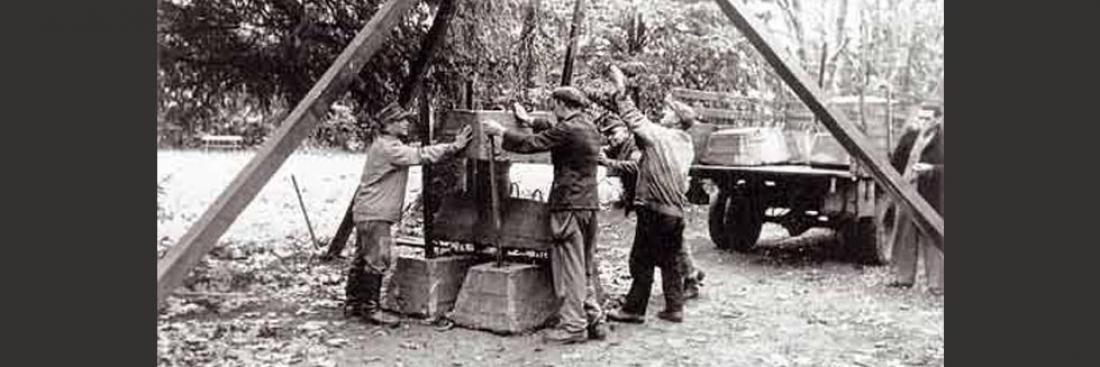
(609, 122)
(571, 94)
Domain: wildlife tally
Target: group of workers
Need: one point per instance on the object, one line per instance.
(651, 158)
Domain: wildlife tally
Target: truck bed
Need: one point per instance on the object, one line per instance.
(775, 170)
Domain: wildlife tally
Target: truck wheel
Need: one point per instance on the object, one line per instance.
(735, 221)
(866, 239)
(716, 220)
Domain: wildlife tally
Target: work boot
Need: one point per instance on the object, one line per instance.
(621, 315)
(562, 336)
(371, 307)
(598, 331)
(691, 288)
(692, 284)
(597, 325)
(671, 315)
(375, 315)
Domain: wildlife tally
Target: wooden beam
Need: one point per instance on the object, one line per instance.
(930, 222)
(340, 240)
(427, 134)
(204, 234)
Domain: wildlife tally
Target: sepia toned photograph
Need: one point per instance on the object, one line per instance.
(550, 183)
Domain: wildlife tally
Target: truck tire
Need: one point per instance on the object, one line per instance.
(735, 221)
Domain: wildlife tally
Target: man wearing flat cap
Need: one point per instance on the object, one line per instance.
(662, 183)
(620, 156)
(378, 202)
(573, 143)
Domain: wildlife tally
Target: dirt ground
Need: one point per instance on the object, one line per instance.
(261, 298)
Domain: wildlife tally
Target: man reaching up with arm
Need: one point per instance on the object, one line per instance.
(662, 182)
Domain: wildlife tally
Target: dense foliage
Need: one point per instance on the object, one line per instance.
(236, 66)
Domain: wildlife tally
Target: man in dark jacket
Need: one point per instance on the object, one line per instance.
(923, 166)
(573, 143)
(621, 153)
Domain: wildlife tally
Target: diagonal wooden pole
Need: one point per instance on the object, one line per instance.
(204, 234)
(929, 221)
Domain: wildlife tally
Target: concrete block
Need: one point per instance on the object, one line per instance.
(425, 287)
(508, 299)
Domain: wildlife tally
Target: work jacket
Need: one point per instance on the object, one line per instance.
(663, 170)
(574, 145)
(381, 191)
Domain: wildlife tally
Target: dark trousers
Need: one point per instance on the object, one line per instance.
(572, 260)
(658, 242)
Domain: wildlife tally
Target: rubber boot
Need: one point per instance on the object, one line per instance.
(372, 306)
(353, 294)
(597, 326)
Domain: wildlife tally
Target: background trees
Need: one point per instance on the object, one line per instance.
(235, 66)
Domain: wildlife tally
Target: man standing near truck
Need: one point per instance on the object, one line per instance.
(923, 167)
(622, 158)
(378, 203)
(662, 183)
(573, 143)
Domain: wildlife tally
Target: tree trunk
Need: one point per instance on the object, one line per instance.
(527, 39)
(792, 9)
(840, 43)
(428, 47)
(574, 33)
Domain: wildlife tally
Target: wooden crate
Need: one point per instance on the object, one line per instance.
(525, 224)
(748, 146)
(454, 120)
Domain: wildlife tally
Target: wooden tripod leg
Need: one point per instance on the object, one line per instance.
(340, 240)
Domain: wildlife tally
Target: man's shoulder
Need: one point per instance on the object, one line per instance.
(387, 141)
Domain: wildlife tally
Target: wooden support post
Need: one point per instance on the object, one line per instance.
(426, 136)
(930, 222)
(494, 201)
(204, 234)
(570, 50)
(420, 66)
(340, 240)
